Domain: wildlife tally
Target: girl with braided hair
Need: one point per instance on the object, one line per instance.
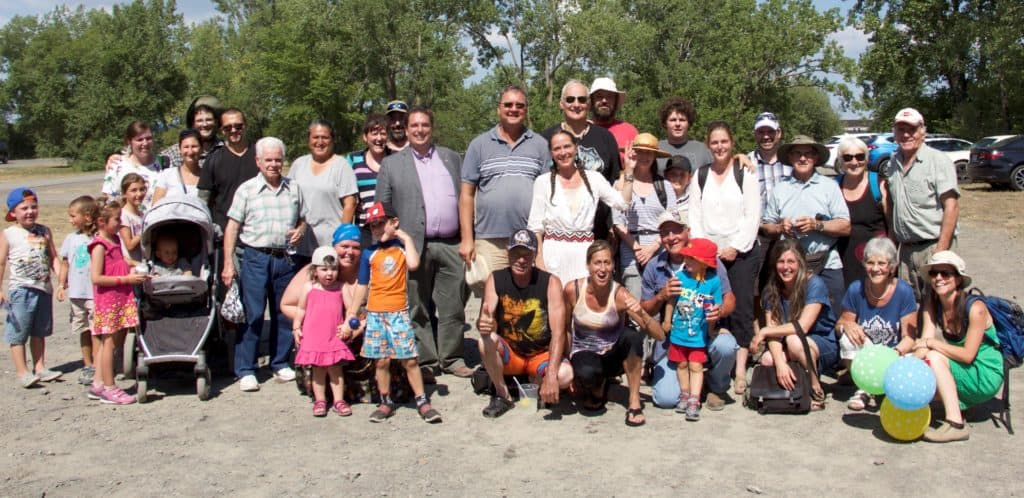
(565, 202)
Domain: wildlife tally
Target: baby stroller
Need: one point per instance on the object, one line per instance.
(178, 313)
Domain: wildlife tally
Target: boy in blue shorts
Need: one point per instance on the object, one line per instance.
(383, 273)
(28, 246)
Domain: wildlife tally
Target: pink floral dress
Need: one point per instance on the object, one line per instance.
(115, 306)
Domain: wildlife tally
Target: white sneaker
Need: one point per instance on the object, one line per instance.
(249, 384)
(284, 375)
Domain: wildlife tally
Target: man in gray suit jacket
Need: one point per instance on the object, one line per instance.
(421, 184)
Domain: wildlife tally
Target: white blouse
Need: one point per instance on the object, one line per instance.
(570, 210)
(723, 213)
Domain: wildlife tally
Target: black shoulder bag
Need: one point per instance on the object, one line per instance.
(764, 393)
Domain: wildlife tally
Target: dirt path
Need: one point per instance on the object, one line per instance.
(56, 442)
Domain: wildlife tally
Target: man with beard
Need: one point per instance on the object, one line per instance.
(522, 327)
(596, 148)
(398, 115)
(605, 102)
(421, 183)
(770, 168)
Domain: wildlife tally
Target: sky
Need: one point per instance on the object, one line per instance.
(853, 41)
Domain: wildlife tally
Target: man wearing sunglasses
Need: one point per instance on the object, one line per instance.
(596, 148)
(227, 167)
(398, 118)
(497, 182)
(924, 197)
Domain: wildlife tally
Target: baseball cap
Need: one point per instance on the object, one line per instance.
(324, 256)
(909, 115)
(345, 232)
(523, 238)
(673, 215)
(702, 250)
(377, 212)
(397, 106)
(766, 119)
(16, 197)
(679, 162)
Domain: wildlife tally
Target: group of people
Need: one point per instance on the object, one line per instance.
(597, 251)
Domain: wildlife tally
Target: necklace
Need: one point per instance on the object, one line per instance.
(867, 290)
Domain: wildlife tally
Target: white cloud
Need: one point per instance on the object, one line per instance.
(854, 41)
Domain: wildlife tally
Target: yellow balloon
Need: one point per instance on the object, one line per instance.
(904, 425)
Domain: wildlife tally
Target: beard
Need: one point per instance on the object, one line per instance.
(396, 135)
(603, 114)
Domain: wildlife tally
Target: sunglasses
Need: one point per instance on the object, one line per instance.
(803, 153)
(851, 157)
(944, 273)
(517, 105)
(572, 99)
(233, 127)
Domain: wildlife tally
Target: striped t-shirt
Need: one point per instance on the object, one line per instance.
(366, 182)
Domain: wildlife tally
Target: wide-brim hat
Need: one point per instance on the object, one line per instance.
(946, 258)
(608, 84)
(804, 140)
(648, 142)
(703, 250)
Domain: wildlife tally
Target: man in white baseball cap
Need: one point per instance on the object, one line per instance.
(605, 102)
(924, 195)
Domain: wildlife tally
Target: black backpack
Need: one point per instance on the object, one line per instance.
(737, 172)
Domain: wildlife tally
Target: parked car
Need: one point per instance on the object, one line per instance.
(3, 152)
(999, 163)
(880, 149)
(833, 145)
(958, 151)
(985, 142)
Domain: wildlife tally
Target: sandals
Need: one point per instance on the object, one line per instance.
(632, 414)
(858, 401)
(817, 401)
(342, 408)
(319, 408)
(740, 386)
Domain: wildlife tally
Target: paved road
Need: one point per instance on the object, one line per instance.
(61, 188)
(48, 162)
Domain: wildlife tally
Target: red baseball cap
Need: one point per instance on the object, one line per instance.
(702, 250)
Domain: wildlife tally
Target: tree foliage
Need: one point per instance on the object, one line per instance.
(71, 79)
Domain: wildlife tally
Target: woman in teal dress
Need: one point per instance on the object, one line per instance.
(966, 360)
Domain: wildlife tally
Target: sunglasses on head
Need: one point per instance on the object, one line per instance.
(233, 127)
(851, 157)
(944, 273)
(572, 99)
(517, 105)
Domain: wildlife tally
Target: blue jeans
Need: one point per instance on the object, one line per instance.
(262, 278)
(722, 356)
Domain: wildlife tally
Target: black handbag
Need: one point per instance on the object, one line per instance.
(764, 393)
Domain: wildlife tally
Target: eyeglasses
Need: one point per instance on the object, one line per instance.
(572, 99)
(851, 157)
(517, 105)
(803, 153)
(232, 127)
(944, 273)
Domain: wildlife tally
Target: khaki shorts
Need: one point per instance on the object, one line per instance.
(494, 252)
(81, 316)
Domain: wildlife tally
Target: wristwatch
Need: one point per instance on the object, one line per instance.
(819, 226)
(627, 178)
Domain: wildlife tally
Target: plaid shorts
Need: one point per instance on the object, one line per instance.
(389, 334)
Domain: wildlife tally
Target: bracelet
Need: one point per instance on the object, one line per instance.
(627, 178)
(118, 280)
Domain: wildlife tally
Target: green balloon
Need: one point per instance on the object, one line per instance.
(869, 366)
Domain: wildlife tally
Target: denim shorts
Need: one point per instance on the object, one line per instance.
(389, 335)
(29, 313)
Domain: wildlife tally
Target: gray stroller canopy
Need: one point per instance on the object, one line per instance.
(175, 210)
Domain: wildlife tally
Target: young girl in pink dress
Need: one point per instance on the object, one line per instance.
(115, 310)
(316, 326)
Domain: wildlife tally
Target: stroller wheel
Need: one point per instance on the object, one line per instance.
(203, 386)
(128, 356)
(142, 389)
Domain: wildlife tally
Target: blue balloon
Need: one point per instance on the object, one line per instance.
(909, 383)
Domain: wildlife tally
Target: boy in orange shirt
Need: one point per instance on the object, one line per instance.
(383, 272)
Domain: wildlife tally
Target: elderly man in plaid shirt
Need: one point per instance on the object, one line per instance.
(266, 216)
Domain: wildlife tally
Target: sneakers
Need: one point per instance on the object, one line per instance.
(319, 408)
(946, 432)
(382, 413)
(497, 407)
(284, 375)
(714, 402)
(429, 414)
(684, 397)
(47, 375)
(249, 383)
(692, 410)
(28, 379)
(115, 396)
(95, 391)
(85, 378)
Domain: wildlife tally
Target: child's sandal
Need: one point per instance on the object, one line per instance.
(319, 408)
(342, 408)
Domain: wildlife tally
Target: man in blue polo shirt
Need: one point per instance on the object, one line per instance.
(497, 180)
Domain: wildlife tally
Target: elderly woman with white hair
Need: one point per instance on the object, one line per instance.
(878, 309)
(866, 197)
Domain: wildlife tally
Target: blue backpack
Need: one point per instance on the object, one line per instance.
(1008, 318)
(876, 190)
